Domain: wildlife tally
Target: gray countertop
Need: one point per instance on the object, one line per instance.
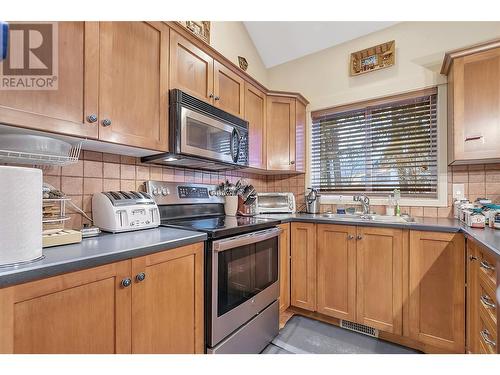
(488, 237)
(96, 251)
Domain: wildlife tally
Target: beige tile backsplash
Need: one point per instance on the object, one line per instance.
(98, 171)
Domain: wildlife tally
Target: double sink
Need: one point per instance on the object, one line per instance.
(370, 218)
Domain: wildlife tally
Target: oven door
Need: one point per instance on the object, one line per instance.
(209, 137)
(244, 280)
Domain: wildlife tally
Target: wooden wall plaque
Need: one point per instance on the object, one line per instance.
(374, 58)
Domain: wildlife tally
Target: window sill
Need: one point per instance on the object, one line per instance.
(382, 201)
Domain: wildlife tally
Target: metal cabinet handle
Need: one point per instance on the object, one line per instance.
(472, 257)
(350, 237)
(92, 118)
(484, 334)
(216, 97)
(484, 264)
(487, 302)
(473, 138)
(359, 237)
(106, 122)
(292, 162)
(140, 277)
(126, 282)
(210, 95)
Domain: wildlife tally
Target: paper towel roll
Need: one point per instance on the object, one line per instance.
(20, 214)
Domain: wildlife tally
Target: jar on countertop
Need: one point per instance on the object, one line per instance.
(476, 219)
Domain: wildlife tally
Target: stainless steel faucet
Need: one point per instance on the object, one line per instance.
(365, 202)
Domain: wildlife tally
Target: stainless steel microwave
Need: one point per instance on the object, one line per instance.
(203, 136)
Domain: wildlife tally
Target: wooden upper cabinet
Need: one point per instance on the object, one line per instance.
(284, 266)
(300, 136)
(380, 278)
(229, 90)
(191, 69)
(133, 83)
(65, 109)
(255, 114)
(303, 265)
(474, 107)
(336, 271)
(437, 290)
(82, 312)
(281, 117)
(167, 306)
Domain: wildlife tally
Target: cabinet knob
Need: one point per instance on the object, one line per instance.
(140, 277)
(126, 282)
(211, 95)
(106, 122)
(359, 237)
(92, 118)
(472, 258)
(216, 97)
(350, 237)
(292, 162)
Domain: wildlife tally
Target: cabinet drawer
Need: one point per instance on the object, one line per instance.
(487, 301)
(487, 269)
(487, 333)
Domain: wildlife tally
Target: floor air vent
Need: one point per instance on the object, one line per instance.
(360, 328)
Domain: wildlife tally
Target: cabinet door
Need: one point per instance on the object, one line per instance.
(476, 103)
(229, 90)
(336, 259)
(380, 278)
(191, 69)
(255, 114)
(80, 312)
(284, 267)
(300, 137)
(133, 92)
(437, 289)
(472, 307)
(280, 133)
(167, 306)
(303, 265)
(63, 110)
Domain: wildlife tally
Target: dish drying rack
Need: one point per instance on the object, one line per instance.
(60, 217)
(23, 157)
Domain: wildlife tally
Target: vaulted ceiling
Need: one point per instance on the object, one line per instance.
(282, 41)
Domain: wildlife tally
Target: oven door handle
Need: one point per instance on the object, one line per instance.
(245, 239)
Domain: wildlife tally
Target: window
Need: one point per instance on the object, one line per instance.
(378, 146)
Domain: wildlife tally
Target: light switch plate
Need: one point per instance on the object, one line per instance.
(458, 191)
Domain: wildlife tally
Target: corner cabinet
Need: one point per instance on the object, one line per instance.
(473, 103)
(437, 290)
(255, 114)
(151, 304)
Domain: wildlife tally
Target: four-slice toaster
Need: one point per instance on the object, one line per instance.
(122, 211)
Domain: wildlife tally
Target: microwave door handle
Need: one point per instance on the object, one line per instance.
(235, 135)
(246, 239)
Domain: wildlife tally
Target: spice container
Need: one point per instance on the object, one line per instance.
(476, 219)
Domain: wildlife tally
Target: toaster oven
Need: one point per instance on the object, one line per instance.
(268, 203)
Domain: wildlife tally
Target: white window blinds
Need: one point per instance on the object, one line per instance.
(376, 148)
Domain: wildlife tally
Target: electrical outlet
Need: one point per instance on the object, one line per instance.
(458, 191)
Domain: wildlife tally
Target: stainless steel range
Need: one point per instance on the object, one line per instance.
(241, 266)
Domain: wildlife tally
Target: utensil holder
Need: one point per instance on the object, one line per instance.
(230, 205)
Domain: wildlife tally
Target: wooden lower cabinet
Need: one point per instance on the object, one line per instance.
(90, 311)
(303, 265)
(80, 312)
(284, 267)
(437, 290)
(336, 271)
(167, 306)
(379, 298)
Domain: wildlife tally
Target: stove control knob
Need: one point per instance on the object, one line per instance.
(211, 193)
(155, 191)
(164, 191)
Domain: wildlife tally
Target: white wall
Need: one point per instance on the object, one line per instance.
(232, 40)
(323, 77)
